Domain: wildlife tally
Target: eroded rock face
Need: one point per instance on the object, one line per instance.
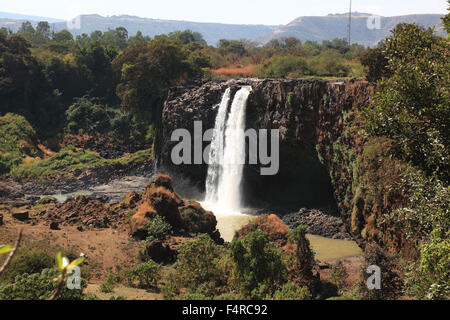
(184, 216)
(271, 224)
(310, 116)
(318, 223)
(307, 113)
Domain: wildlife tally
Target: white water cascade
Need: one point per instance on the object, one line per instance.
(216, 150)
(226, 164)
(229, 187)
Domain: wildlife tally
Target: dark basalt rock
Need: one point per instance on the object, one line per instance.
(318, 223)
(309, 114)
(21, 215)
(160, 252)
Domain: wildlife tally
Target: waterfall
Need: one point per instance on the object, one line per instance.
(216, 150)
(227, 154)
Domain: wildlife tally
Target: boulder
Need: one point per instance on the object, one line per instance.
(54, 225)
(21, 215)
(160, 252)
(272, 225)
(140, 218)
(196, 219)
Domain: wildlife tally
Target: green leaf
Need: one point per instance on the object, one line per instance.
(75, 263)
(59, 261)
(5, 249)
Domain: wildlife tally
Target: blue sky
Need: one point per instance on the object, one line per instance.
(226, 11)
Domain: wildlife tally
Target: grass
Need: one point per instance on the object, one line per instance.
(70, 158)
(17, 140)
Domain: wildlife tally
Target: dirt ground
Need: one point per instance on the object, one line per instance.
(104, 248)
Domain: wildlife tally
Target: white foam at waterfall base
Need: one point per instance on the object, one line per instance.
(227, 152)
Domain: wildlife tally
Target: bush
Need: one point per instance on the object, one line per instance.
(258, 270)
(338, 275)
(17, 140)
(283, 66)
(28, 261)
(329, 63)
(201, 263)
(304, 255)
(391, 283)
(147, 274)
(157, 229)
(106, 287)
(431, 278)
(290, 291)
(39, 286)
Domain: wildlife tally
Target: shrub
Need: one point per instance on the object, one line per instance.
(39, 286)
(431, 278)
(201, 263)
(46, 200)
(106, 287)
(329, 63)
(283, 66)
(147, 273)
(391, 283)
(17, 140)
(258, 267)
(304, 254)
(338, 275)
(157, 229)
(28, 261)
(291, 291)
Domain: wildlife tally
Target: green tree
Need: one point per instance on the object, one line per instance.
(259, 270)
(201, 266)
(304, 255)
(62, 36)
(95, 66)
(283, 66)
(391, 283)
(24, 87)
(412, 107)
(376, 64)
(42, 34)
(186, 37)
(147, 72)
(431, 279)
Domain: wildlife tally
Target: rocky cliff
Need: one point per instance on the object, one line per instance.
(325, 157)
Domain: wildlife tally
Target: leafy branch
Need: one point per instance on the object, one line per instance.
(11, 250)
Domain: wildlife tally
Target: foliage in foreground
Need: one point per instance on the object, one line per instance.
(258, 267)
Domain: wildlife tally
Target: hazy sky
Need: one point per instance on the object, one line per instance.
(226, 11)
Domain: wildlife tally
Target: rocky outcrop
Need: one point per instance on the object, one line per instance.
(318, 223)
(271, 224)
(313, 118)
(306, 112)
(184, 216)
(81, 211)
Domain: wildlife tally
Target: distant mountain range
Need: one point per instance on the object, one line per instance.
(304, 28)
(367, 29)
(17, 16)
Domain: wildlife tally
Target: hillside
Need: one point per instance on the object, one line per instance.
(304, 28)
(212, 32)
(18, 16)
(335, 26)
